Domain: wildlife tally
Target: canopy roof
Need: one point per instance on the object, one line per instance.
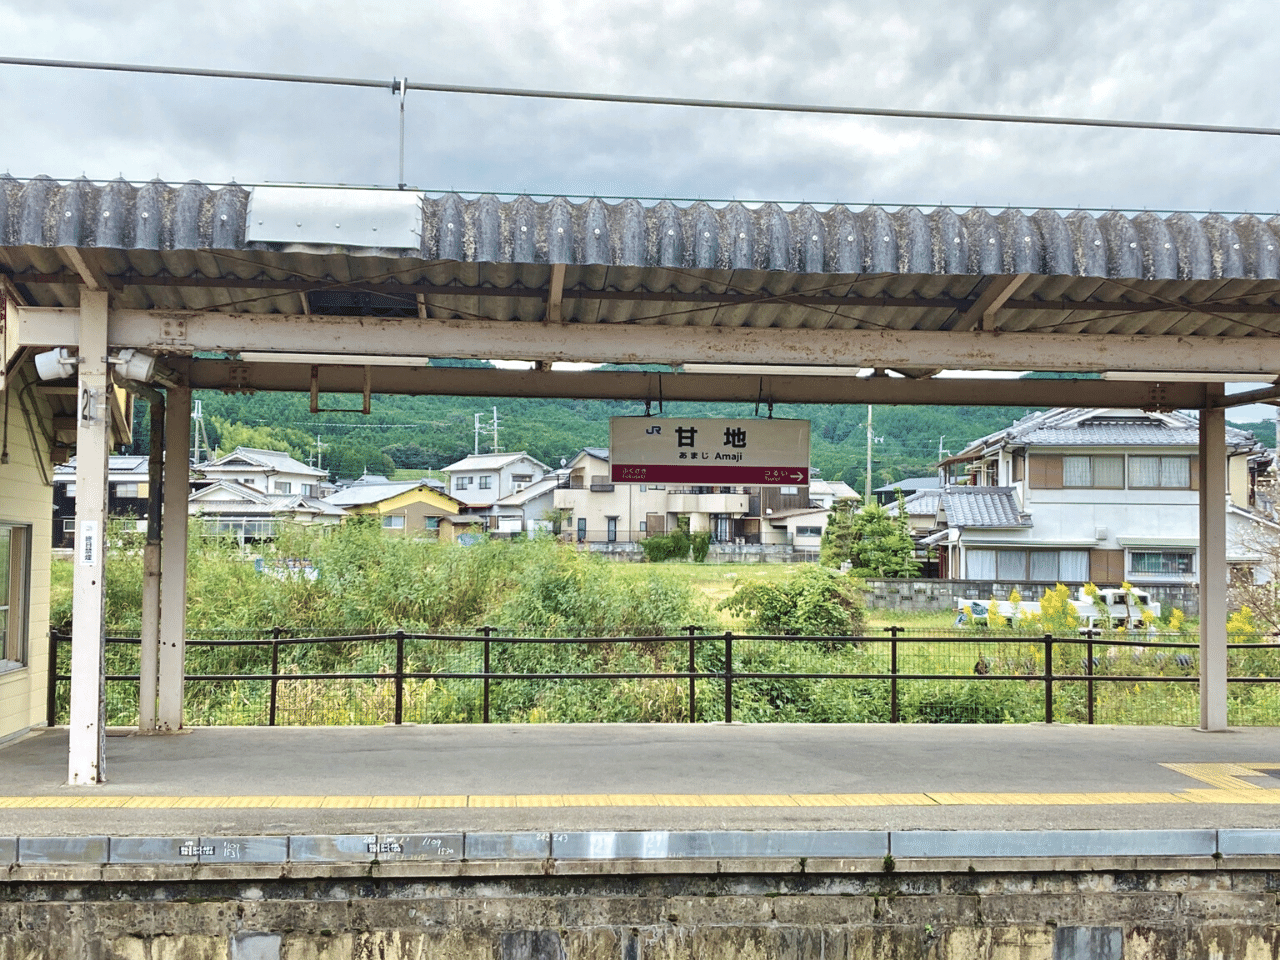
(910, 290)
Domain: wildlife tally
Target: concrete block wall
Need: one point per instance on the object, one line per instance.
(932, 596)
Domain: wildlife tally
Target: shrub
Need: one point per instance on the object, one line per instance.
(701, 546)
(814, 601)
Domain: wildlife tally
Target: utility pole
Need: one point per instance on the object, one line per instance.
(477, 446)
(867, 500)
(496, 448)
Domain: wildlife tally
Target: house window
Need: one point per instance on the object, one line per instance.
(1054, 566)
(393, 523)
(284, 486)
(127, 490)
(1099, 472)
(308, 489)
(69, 526)
(1171, 472)
(611, 527)
(808, 531)
(461, 483)
(522, 478)
(1162, 562)
(71, 489)
(486, 483)
(582, 529)
(644, 526)
(15, 558)
(431, 523)
(789, 491)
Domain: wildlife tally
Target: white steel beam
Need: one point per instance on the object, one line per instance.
(185, 332)
(173, 558)
(747, 388)
(1213, 567)
(86, 762)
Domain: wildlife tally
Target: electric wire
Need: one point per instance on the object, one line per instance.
(395, 85)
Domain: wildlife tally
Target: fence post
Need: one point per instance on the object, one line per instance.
(399, 676)
(1048, 678)
(275, 673)
(1088, 667)
(51, 706)
(728, 676)
(893, 673)
(693, 711)
(487, 631)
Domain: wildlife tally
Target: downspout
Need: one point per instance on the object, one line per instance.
(149, 655)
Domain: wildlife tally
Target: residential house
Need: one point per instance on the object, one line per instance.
(236, 509)
(1076, 495)
(601, 512)
(413, 507)
(528, 511)
(270, 471)
(908, 485)
(481, 480)
(128, 487)
(823, 493)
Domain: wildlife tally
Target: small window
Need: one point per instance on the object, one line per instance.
(71, 489)
(15, 559)
(808, 531)
(461, 483)
(69, 525)
(644, 526)
(789, 491)
(486, 483)
(129, 490)
(284, 486)
(522, 478)
(393, 523)
(612, 528)
(308, 489)
(1162, 562)
(431, 523)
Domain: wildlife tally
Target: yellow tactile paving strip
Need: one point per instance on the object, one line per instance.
(1224, 786)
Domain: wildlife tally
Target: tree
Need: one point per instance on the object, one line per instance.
(812, 602)
(228, 436)
(875, 543)
(349, 460)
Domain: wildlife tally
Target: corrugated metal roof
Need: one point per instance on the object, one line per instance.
(983, 507)
(190, 247)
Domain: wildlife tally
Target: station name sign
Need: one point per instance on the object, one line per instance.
(709, 451)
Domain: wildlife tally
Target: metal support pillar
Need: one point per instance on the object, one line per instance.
(149, 654)
(87, 753)
(1213, 565)
(173, 561)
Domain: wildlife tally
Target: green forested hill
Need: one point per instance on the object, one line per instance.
(430, 432)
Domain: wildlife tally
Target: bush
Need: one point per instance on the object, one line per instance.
(701, 546)
(814, 601)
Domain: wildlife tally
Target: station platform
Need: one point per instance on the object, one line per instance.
(540, 778)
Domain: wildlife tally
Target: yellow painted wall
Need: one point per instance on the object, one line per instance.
(25, 498)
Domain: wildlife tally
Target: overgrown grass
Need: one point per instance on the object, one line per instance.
(366, 582)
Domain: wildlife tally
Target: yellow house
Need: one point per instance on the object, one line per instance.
(413, 507)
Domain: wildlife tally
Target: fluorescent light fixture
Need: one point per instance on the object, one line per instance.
(779, 370)
(1182, 376)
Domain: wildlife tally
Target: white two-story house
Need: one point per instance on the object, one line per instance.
(1085, 495)
(481, 480)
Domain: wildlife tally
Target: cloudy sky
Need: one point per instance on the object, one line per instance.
(1175, 60)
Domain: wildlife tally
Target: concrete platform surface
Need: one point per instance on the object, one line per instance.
(253, 781)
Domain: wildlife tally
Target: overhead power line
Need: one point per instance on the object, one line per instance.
(398, 86)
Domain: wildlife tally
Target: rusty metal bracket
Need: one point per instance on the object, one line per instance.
(315, 392)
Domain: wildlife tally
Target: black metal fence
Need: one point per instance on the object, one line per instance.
(272, 678)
